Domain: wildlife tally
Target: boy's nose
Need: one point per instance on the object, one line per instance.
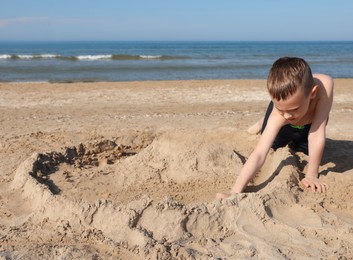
(287, 116)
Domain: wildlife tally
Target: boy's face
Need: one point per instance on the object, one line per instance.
(295, 107)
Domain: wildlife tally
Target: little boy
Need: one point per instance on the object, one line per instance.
(297, 116)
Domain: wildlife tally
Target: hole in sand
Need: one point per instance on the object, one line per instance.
(190, 169)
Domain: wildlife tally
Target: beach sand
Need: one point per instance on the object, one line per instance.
(131, 170)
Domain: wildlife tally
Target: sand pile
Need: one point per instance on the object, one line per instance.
(138, 179)
(152, 196)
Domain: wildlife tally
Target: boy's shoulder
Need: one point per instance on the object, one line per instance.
(324, 97)
(325, 81)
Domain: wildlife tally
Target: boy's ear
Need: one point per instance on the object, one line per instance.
(314, 91)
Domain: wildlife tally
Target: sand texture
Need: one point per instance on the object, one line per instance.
(131, 170)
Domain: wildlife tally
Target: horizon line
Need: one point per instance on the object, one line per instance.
(25, 41)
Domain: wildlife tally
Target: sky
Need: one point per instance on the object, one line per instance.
(176, 20)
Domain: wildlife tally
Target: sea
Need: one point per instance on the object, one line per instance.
(90, 61)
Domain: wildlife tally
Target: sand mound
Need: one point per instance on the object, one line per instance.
(152, 196)
(173, 163)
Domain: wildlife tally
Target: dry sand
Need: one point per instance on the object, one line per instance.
(130, 171)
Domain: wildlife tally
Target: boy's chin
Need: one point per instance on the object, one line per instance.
(293, 121)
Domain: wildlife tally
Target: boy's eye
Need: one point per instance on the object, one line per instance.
(287, 111)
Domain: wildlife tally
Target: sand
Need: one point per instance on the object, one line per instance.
(131, 170)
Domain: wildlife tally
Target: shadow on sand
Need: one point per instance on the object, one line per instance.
(337, 152)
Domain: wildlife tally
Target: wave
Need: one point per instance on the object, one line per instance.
(89, 57)
(92, 57)
(27, 57)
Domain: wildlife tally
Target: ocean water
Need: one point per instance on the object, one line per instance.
(134, 61)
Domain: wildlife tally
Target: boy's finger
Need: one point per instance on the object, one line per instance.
(305, 183)
(324, 187)
(319, 188)
(313, 187)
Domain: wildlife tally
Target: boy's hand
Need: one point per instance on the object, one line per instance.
(315, 184)
(223, 195)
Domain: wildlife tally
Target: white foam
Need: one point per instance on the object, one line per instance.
(29, 56)
(25, 56)
(5, 57)
(48, 56)
(94, 57)
(80, 57)
(150, 56)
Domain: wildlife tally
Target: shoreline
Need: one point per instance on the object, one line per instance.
(81, 62)
(131, 81)
(128, 81)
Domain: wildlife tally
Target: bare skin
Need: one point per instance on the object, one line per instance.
(298, 109)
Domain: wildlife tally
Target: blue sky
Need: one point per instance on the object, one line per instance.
(235, 20)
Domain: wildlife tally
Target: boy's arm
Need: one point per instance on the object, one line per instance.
(258, 156)
(317, 134)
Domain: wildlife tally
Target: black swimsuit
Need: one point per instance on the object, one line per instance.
(296, 137)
